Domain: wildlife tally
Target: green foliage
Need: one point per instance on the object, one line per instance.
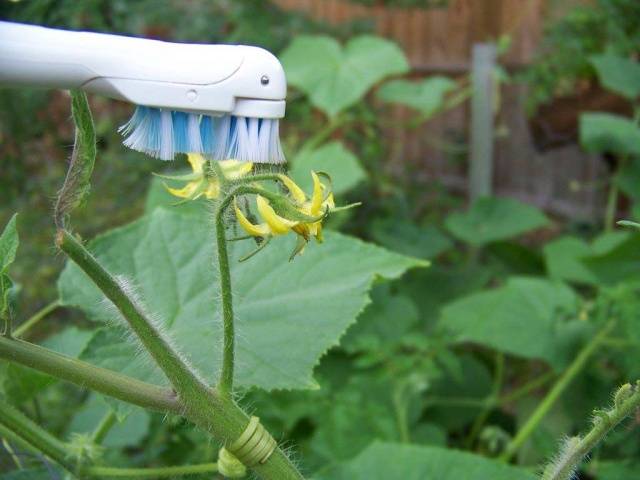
(507, 318)
(427, 96)
(618, 74)
(410, 239)
(492, 219)
(9, 242)
(167, 256)
(336, 77)
(606, 132)
(387, 460)
(571, 41)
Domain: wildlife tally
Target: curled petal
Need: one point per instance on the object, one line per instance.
(213, 190)
(190, 190)
(196, 161)
(234, 169)
(277, 224)
(295, 191)
(261, 230)
(316, 197)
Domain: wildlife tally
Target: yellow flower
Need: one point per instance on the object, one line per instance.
(274, 224)
(199, 184)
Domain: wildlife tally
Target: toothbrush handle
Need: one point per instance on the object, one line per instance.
(41, 57)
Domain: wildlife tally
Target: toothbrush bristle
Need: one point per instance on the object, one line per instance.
(163, 133)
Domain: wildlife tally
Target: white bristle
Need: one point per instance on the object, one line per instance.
(166, 136)
(222, 137)
(153, 131)
(193, 134)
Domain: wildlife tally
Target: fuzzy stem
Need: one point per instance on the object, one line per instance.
(84, 374)
(225, 385)
(158, 472)
(25, 326)
(32, 434)
(107, 422)
(579, 448)
(558, 389)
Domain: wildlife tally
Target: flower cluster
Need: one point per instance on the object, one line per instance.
(279, 213)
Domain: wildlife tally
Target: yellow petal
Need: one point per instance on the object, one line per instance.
(187, 191)
(329, 202)
(295, 191)
(234, 169)
(261, 230)
(316, 198)
(277, 224)
(196, 161)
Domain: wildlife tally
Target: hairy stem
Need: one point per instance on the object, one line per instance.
(25, 326)
(577, 448)
(558, 389)
(159, 472)
(225, 385)
(84, 374)
(32, 434)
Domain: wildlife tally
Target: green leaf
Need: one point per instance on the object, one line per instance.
(384, 321)
(605, 132)
(77, 183)
(127, 433)
(618, 74)
(490, 219)
(342, 165)
(334, 77)
(410, 239)
(621, 470)
(565, 256)
(427, 96)
(9, 242)
(509, 317)
(288, 313)
(620, 264)
(384, 461)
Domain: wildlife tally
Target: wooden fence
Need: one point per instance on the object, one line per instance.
(439, 41)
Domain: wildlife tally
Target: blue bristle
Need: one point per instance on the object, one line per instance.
(162, 133)
(180, 139)
(206, 135)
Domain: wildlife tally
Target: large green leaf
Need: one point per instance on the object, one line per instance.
(342, 165)
(8, 244)
(524, 318)
(334, 77)
(427, 96)
(565, 256)
(605, 132)
(619, 264)
(385, 461)
(288, 313)
(491, 218)
(618, 74)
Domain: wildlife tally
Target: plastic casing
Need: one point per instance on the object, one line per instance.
(209, 79)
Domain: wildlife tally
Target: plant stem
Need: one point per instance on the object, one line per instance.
(84, 374)
(578, 448)
(31, 433)
(491, 402)
(104, 427)
(527, 387)
(225, 385)
(25, 326)
(558, 388)
(159, 472)
(333, 124)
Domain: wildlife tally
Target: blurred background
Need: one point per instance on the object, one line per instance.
(496, 138)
